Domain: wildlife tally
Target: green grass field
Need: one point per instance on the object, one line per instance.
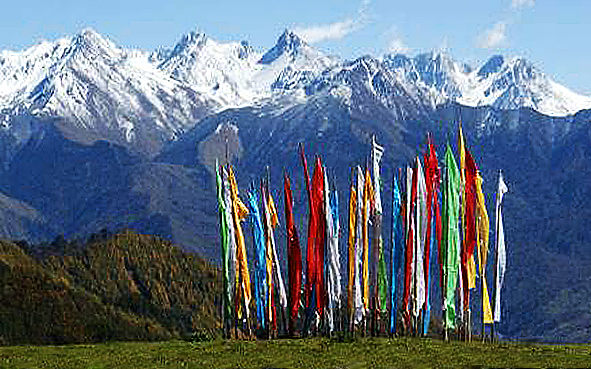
(303, 353)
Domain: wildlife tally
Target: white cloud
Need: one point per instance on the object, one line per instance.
(396, 44)
(332, 31)
(336, 30)
(518, 4)
(497, 35)
(494, 37)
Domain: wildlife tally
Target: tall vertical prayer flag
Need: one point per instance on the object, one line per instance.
(269, 262)
(277, 275)
(359, 307)
(409, 243)
(469, 221)
(432, 176)
(239, 212)
(380, 279)
(320, 239)
(501, 255)
(224, 243)
(294, 256)
(334, 207)
(420, 236)
(450, 239)
(351, 251)
(462, 276)
(482, 237)
(367, 205)
(232, 267)
(396, 249)
(310, 247)
(333, 281)
(260, 276)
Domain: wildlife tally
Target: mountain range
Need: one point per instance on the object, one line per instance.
(141, 100)
(95, 136)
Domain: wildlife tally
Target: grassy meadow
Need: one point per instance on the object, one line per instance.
(298, 353)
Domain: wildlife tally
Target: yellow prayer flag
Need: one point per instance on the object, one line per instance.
(239, 213)
(482, 222)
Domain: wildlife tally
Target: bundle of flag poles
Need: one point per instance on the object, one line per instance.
(436, 210)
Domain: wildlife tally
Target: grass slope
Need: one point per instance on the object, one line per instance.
(309, 353)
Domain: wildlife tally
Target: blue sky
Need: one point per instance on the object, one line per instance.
(551, 34)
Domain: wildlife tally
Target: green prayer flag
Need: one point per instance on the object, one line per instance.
(450, 237)
(224, 242)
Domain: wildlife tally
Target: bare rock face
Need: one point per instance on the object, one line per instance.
(223, 146)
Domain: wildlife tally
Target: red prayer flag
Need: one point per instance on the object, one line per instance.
(318, 201)
(432, 175)
(294, 256)
(470, 233)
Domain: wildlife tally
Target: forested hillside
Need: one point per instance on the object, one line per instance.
(113, 287)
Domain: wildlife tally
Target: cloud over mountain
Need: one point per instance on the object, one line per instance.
(518, 4)
(336, 30)
(494, 37)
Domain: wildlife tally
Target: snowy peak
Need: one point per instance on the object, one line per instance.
(368, 82)
(291, 64)
(90, 40)
(20, 71)
(288, 45)
(438, 70)
(129, 96)
(515, 83)
(223, 71)
(101, 91)
(434, 63)
(493, 65)
(516, 71)
(433, 71)
(500, 82)
(190, 44)
(89, 45)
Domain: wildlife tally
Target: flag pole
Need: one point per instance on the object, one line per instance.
(496, 264)
(482, 277)
(444, 252)
(392, 328)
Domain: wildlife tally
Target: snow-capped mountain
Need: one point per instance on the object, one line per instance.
(513, 83)
(222, 71)
(237, 75)
(292, 63)
(101, 91)
(501, 83)
(369, 82)
(97, 90)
